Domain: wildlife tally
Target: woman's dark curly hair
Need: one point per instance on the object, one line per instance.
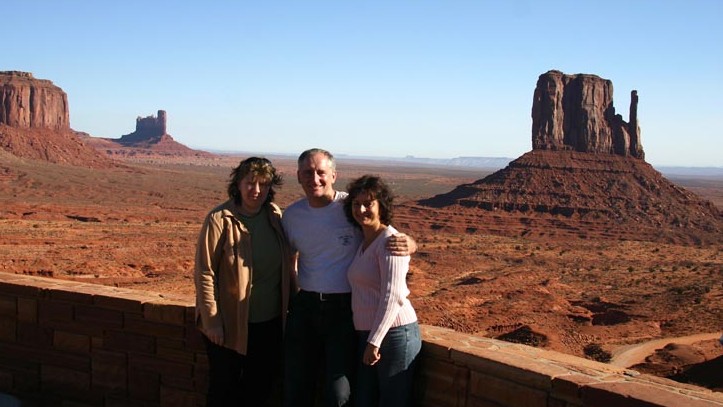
(378, 190)
(262, 169)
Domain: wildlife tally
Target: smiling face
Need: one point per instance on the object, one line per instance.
(369, 203)
(366, 211)
(317, 175)
(254, 190)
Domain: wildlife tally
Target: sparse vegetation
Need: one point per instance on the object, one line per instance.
(501, 285)
(595, 352)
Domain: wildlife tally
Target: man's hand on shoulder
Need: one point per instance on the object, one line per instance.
(401, 245)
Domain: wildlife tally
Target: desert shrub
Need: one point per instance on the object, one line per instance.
(595, 352)
(690, 293)
(525, 336)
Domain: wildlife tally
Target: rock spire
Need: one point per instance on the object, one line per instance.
(586, 177)
(576, 112)
(148, 129)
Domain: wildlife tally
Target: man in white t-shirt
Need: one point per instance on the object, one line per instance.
(319, 326)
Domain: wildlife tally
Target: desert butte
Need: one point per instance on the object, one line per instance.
(612, 272)
(137, 227)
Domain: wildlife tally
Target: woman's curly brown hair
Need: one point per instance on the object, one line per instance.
(378, 190)
(262, 169)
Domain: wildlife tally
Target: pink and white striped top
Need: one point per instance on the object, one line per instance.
(379, 289)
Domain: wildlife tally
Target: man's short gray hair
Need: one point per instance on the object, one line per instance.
(313, 151)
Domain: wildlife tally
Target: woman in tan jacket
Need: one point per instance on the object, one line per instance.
(243, 277)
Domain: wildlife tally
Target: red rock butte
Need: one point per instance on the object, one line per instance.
(576, 112)
(32, 103)
(35, 124)
(585, 177)
(149, 139)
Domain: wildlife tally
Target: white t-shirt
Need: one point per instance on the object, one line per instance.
(326, 243)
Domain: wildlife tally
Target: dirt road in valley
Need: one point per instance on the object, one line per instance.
(626, 356)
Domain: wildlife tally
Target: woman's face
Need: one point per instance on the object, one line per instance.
(366, 211)
(254, 191)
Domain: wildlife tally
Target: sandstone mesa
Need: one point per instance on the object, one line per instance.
(586, 174)
(584, 180)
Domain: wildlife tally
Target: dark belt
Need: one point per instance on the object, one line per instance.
(325, 296)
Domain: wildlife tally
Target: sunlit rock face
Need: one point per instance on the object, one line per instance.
(576, 112)
(35, 124)
(586, 176)
(26, 102)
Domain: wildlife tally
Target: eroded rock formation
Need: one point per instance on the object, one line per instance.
(150, 140)
(35, 124)
(586, 177)
(148, 129)
(32, 103)
(576, 112)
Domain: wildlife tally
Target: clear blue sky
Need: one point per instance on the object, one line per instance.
(434, 79)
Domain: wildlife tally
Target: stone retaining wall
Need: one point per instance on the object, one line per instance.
(67, 343)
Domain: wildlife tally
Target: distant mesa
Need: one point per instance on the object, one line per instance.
(585, 177)
(150, 130)
(35, 123)
(148, 140)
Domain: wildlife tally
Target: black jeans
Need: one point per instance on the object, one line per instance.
(319, 330)
(245, 380)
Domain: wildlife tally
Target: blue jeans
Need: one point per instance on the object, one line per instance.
(319, 330)
(389, 382)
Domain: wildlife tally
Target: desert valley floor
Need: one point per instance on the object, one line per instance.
(136, 226)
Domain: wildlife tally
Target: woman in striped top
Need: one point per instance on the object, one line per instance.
(386, 323)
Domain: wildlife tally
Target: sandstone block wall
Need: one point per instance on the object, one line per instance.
(73, 344)
(464, 370)
(67, 343)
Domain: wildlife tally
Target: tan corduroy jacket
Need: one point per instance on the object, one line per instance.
(223, 272)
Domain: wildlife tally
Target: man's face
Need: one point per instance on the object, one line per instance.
(317, 178)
